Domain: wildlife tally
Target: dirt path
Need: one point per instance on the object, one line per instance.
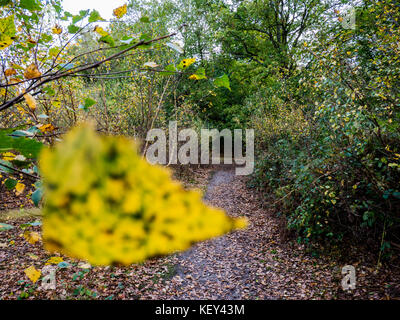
(216, 269)
(255, 263)
(227, 267)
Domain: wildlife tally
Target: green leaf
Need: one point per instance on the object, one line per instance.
(145, 19)
(84, 13)
(199, 74)
(10, 183)
(49, 90)
(222, 81)
(31, 5)
(80, 16)
(87, 104)
(28, 147)
(95, 16)
(145, 37)
(107, 39)
(169, 70)
(54, 51)
(4, 2)
(46, 38)
(73, 29)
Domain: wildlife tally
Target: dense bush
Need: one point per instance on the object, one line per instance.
(331, 145)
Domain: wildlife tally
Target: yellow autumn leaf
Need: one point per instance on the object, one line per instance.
(7, 31)
(10, 72)
(47, 127)
(57, 29)
(30, 100)
(32, 236)
(116, 207)
(32, 273)
(19, 188)
(186, 63)
(32, 71)
(120, 11)
(100, 31)
(8, 156)
(6, 42)
(54, 260)
(14, 80)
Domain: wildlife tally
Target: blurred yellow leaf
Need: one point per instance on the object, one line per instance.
(105, 204)
(32, 273)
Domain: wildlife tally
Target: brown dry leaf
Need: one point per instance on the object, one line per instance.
(10, 72)
(14, 80)
(32, 237)
(30, 100)
(32, 71)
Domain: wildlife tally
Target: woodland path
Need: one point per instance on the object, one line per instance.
(222, 268)
(240, 265)
(258, 262)
(254, 263)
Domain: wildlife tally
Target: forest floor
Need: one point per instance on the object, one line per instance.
(256, 263)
